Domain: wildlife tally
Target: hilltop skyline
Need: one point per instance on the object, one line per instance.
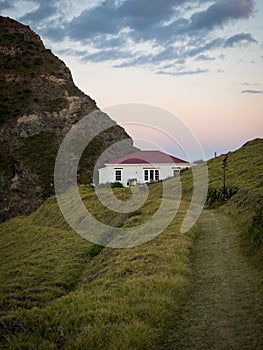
(200, 60)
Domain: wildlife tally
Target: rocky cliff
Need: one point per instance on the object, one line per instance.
(39, 103)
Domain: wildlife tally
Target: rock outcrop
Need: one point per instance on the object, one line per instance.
(39, 104)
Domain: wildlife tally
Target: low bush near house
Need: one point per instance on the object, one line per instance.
(116, 185)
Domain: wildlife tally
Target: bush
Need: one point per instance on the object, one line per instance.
(116, 185)
(38, 61)
(57, 104)
(220, 195)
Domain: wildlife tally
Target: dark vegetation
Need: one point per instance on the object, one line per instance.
(220, 195)
(217, 195)
(39, 153)
(26, 59)
(116, 185)
(32, 81)
(39, 103)
(92, 152)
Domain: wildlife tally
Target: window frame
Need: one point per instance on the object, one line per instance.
(151, 174)
(176, 172)
(118, 175)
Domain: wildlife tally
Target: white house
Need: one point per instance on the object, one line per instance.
(141, 167)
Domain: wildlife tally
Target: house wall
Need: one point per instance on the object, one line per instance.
(131, 171)
(103, 175)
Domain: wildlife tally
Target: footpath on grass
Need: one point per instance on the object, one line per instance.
(224, 308)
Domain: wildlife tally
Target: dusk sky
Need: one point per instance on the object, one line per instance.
(201, 60)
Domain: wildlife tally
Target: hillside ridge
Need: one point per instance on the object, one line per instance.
(39, 103)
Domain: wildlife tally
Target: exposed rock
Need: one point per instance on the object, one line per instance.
(29, 125)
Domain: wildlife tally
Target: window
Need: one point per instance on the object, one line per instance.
(151, 175)
(176, 172)
(117, 175)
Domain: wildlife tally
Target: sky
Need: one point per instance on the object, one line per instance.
(200, 60)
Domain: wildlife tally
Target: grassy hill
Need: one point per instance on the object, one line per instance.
(245, 170)
(59, 291)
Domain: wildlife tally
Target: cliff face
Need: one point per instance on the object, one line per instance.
(39, 104)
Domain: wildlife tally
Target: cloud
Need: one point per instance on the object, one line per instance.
(143, 18)
(239, 38)
(148, 33)
(183, 73)
(249, 84)
(146, 18)
(45, 10)
(252, 92)
(5, 5)
(221, 56)
(210, 45)
(102, 19)
(204, 58)
(105, 55)
(142, 14)
(221, 12)
(54, 33)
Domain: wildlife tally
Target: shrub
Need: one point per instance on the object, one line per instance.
(220, 195)
(39, 152)
(116, 185)
(38, 61)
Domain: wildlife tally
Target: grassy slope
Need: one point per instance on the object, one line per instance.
(245, 169)
(224, 306)
(60, 291)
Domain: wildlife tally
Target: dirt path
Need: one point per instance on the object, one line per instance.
(225, 307)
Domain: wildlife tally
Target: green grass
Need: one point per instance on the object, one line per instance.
(245, 170)
(223, 307)
(61, 291)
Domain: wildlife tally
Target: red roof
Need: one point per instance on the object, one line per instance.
(147, 157)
